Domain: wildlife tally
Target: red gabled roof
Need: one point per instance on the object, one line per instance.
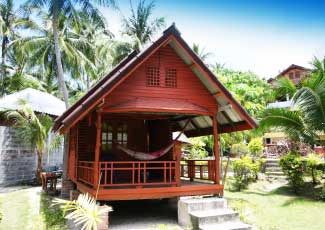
(94, 96)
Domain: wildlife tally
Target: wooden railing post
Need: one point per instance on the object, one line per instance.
(97, 148)
(191, 169)
(216, 150)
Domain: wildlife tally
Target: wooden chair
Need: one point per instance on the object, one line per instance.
(49, 177)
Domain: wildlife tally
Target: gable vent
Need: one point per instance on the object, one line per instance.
(153, 76)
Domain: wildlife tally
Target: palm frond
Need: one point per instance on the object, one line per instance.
(84, 211)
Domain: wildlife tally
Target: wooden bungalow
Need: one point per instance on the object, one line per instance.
(120, 132)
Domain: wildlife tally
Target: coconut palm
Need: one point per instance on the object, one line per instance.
(19, 74)
(306, 119)
(33, 129)
(66, 8)
(139, 26)
(74, 52)
(11, 22)
(201, 52)
(100, 41)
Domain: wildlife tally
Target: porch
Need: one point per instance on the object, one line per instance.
(148, 179)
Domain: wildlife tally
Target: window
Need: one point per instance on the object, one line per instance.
(291, 75)
(107, 136)
(297, 75)
(122, 134)
(153, 76)
(171, 80)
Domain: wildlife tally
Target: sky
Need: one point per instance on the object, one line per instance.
(260, 36)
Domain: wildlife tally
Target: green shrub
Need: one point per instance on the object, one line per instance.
(245, 170)
(322, 194)
(292, 166)
(239, 149)
(197, 148)
(255, 147)
(313, 161)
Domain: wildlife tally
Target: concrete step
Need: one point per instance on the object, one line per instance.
(272, 164)
(272, 160)
(274, 173)
(273, 169)
(226, 226)
(207, 203)
(217, 216)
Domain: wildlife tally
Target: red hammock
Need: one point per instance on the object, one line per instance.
(151, 155)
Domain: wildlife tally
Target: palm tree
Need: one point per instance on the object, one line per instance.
(20, 74)
(77, 52)
(306, 119)
(139, 26)
(201, 52)
(66, 8)
(11, 21)
(100, 41)
(32, 128)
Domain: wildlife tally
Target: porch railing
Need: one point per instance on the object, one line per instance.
(128, 173)
(198, 169)
(137, 173)
(85, 172)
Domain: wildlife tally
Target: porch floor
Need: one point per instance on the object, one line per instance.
(186, 188)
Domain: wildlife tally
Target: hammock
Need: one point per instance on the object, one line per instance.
(151, 155)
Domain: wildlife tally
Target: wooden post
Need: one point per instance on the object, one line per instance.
(177, 154)
(216, 150)
(97, 148)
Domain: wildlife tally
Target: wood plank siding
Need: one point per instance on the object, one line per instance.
(188, 87)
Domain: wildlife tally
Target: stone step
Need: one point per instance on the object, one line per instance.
(217, 216)
(207, 203)
(236, 225)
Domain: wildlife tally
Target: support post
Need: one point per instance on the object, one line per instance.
(216, 149)
(97, 148)
(177, 157)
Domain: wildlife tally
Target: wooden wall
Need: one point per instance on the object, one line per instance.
(73, 137)
(159, 136)
(188, 88)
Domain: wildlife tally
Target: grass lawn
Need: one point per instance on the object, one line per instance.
(29, 209)
(272, 206)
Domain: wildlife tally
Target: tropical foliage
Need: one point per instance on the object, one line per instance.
(12, 23)
(201, 52)
(251, 91)
(84, 211)
(139, 26)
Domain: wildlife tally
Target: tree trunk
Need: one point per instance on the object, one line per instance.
(39, 165)
(3, 63)
(62, 86)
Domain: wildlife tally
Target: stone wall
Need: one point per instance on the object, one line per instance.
(18, 161)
